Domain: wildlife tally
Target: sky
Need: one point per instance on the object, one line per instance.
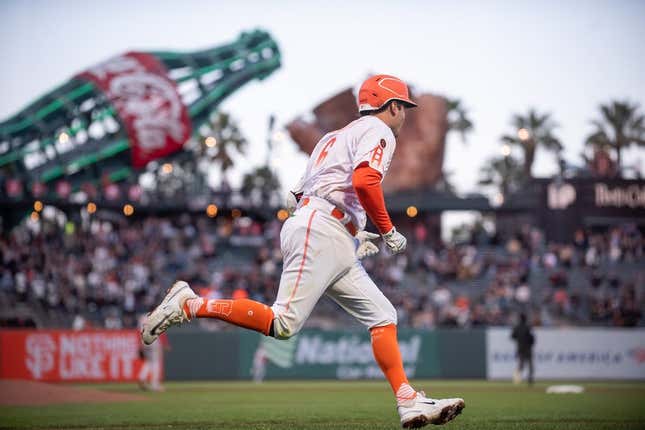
(498, 57)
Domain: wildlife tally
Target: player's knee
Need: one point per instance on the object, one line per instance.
(390, 315)
(386, 317)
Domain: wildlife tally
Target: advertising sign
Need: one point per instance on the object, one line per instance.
(565, 205)
(81, 356)
(582, 353)
(339, 355)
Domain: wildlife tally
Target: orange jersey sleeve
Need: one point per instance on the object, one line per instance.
(367, 184)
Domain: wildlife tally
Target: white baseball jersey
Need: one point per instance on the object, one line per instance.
(319, 256)
(333, 160)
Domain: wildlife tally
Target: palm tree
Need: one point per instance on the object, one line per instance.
(505, 172)
(261, 178)
(621, 125)
(458, 118)
(532, 131)
(228, 138)
(261, 186)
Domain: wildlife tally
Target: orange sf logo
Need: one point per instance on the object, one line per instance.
(221, 307)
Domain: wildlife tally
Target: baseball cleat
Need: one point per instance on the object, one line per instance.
(169, 312)
(423, 411)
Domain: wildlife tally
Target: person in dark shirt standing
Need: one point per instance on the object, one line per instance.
(523, 337)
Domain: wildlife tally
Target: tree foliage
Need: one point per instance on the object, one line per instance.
(621, 125)
(505, 173)
(458, 119)
(531, 131)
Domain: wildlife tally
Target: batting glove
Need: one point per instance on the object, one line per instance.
(365, 247)
(395, 241)
(292, 200)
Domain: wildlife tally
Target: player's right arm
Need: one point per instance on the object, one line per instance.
(295, 194)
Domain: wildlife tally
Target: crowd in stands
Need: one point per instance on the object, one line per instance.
(598, 279)
(106, 273)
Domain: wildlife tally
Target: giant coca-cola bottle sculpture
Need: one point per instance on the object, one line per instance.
(121, 114)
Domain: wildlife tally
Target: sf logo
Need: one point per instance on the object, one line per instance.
(221, 307)
(40, 354)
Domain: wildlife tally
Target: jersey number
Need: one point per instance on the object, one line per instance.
(325, 150)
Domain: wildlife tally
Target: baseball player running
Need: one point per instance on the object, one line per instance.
(322, 244)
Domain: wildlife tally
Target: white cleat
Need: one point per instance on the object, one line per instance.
(168, 313)
(422, 411)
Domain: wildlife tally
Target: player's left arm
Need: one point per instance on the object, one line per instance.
(367, 183)
(374, 153)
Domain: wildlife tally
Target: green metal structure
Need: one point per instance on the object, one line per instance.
(74, 133)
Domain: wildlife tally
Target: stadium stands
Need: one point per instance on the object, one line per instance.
(106, 273)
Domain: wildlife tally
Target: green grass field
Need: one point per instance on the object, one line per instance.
(341, 405)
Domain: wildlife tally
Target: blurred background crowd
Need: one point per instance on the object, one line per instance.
(107, 273)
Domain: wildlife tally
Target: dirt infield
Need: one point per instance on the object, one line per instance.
(28, 393)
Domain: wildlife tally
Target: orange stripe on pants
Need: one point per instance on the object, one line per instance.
(302, 263)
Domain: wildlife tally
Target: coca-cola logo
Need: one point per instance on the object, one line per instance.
(153, 105)
(41, 349)
(147, 102)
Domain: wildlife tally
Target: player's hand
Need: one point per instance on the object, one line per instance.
(292, 201)
(395, 241)
(365, 247)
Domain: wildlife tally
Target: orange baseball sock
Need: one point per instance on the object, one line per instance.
(241, 312)
(386, 352)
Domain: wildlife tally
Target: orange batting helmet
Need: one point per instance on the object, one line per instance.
(377, 90)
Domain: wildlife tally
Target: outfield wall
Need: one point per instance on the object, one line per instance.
(316, 354)
(477, 354)
(108, 355)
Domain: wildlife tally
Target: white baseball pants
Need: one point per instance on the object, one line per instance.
(319, 257)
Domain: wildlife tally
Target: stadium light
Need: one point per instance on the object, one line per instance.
(128, 210)
(166, 168)
(523, 134)
(211, 210)
(210, 141)
(282, 215)
(38, 206)
(412, 211)
(63, 137)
